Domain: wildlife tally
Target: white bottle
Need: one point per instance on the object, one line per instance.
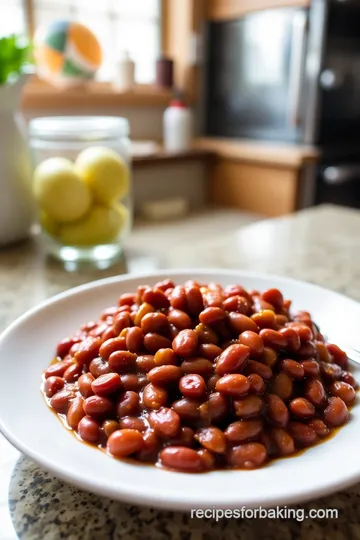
(125, 73)
(177, 126)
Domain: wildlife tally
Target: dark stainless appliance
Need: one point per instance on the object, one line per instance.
(292, 74)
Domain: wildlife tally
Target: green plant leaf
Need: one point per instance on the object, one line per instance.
(14, 55)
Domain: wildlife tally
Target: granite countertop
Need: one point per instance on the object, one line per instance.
(321, 245)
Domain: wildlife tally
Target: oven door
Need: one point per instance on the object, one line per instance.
(339, 184)
(255, 75)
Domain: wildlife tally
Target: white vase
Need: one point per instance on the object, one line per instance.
(16, 206)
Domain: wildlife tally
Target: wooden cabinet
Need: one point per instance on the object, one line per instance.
(233, 9)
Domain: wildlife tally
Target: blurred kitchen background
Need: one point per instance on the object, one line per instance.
(270, 88)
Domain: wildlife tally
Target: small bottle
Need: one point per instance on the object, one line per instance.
(177, 126)
(125, 73)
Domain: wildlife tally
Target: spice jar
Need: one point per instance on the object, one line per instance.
(82, 186)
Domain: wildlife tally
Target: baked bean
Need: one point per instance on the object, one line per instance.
(98, 406)
(185, 343)
(311, 367)
(127, 404)
(215, 408)
(65, 345)
(110, 426)
(132, 381)
(72, 373)
(212, 315)
(243, 430)
(139, 293)
(184, 438)
(293, 369)
(187, 408)
(264, 371)
(331, 372)
(156, 297)
(207, 459)
(209, 350)
(164, 357)
(106, 384)
(53, 385)
(61, 401)
(302, 433)
(232, 359)
(280, 321)
(338, 355)
(212, 299)
(205, 334)
(127, 299)
(323, 354)
(234, 385)
(236, 290)
(164, 375)
(154, 342)
(164, 285)
(150, 448)
(122, 361)
(348, 378)
(283, 441)
(282, 386)
(165, 422)
(134, 339)
(269, 357)
(344, 391)
(110, 346)
(211, 382)
(194, 299)
(155, 323)
(257, 385)
(315, 392)
(292, 338)
(248, 406)
(75, 347)
(132, 422)
(302, 408)
(179, 318)
(212, 438)
(336, 412)
(178, 298)
(89, 430)
(181, 458)
(264, 318)
(125, 442)
(247, 456)
(237, 303)
(239, 323)
(307, 350)
(145, 362)
(198, 366)
(273, 338)
(121, 321)
(58, 368)
(98, 367)
(110, 333)
(304, 332)
(274, 297)
(261, 305)
(154, 397)
(75, 412)
(253, 341)
(143, 310)
(192, 386)
(277, 411)
(319, 427)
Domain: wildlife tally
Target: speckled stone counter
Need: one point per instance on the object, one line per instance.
(321, 245)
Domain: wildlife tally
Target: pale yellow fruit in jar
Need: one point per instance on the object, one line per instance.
(101, 225)
(59, 190)
(105, 173)
(50, 226)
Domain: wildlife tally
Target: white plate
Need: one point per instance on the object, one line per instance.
(27, 347)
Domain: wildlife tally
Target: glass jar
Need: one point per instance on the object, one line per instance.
(82, 186)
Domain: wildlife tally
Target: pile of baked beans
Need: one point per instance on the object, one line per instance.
(199, 377)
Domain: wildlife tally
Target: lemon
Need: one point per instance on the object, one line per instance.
(49, 225)
(100, 226)
(105, 172)
(59, 190)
